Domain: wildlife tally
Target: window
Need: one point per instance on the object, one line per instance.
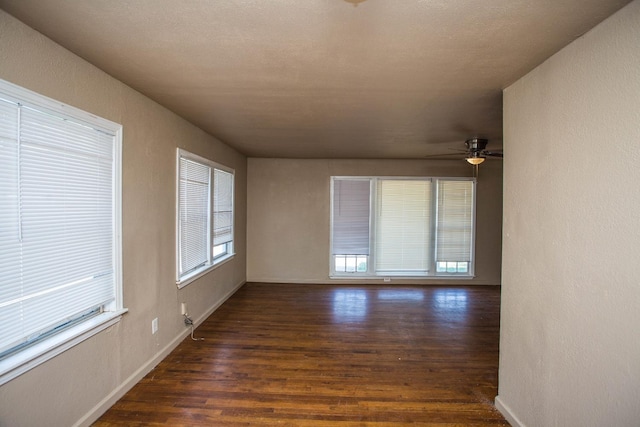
(454, 226)
(403, 229)
(60, 250)
(402, 226)
(204, 216)
(351, 225)
(222, 214)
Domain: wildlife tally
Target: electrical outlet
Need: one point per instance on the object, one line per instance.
(183, 308)
(387, 279)
(154, 325)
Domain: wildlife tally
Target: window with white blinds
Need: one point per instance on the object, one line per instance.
(350, 243)
(222, 213)
(194, 222)
(204, 216)
(59, 218)
(403, 226)
(455, 226)
(397, 226)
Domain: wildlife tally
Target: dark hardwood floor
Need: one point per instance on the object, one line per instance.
(327, 355)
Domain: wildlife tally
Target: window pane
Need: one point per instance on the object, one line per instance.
(351, 216)
(351, 264)
(403, 226)
(221, 250)
(362, 264)
(194, 191)
(57, 224)
(455, 222)
(222, 207)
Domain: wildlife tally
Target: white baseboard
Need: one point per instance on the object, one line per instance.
(376, 281)
(507, 413)
(106, 403)
(286, 281)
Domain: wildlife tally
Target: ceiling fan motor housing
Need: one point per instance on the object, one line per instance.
(475, 145)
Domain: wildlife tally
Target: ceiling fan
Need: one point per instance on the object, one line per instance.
(475, 153)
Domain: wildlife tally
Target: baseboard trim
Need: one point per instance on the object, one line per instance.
(373, 281)
(507, 413)
(288, 281)
(106, 403)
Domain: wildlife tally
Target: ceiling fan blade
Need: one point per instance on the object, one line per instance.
(454, 152)
(492, 154)
(442, 155)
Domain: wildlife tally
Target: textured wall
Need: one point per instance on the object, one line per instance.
(570, 347)
(289, 215)
(69, 387)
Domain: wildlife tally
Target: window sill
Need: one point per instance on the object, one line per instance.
(27, 359)
(184, 281)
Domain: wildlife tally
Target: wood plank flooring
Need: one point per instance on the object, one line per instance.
(327, 355)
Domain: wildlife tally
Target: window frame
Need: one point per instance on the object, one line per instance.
(373, 223)
(50, 344)
(213, 260)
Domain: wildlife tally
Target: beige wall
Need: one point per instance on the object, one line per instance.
(81, 382)
(570, 341)
(288, 217)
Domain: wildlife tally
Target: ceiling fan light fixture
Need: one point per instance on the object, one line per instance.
(475, 159)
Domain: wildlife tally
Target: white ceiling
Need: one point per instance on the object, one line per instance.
(322, 78)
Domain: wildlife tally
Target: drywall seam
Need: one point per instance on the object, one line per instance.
(95, 413)
(506, 411)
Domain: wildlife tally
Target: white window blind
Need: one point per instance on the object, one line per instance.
(193, 222)
(455, 221)
(351, 201)
(222, 207)
(58, 244)
(403, 232)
